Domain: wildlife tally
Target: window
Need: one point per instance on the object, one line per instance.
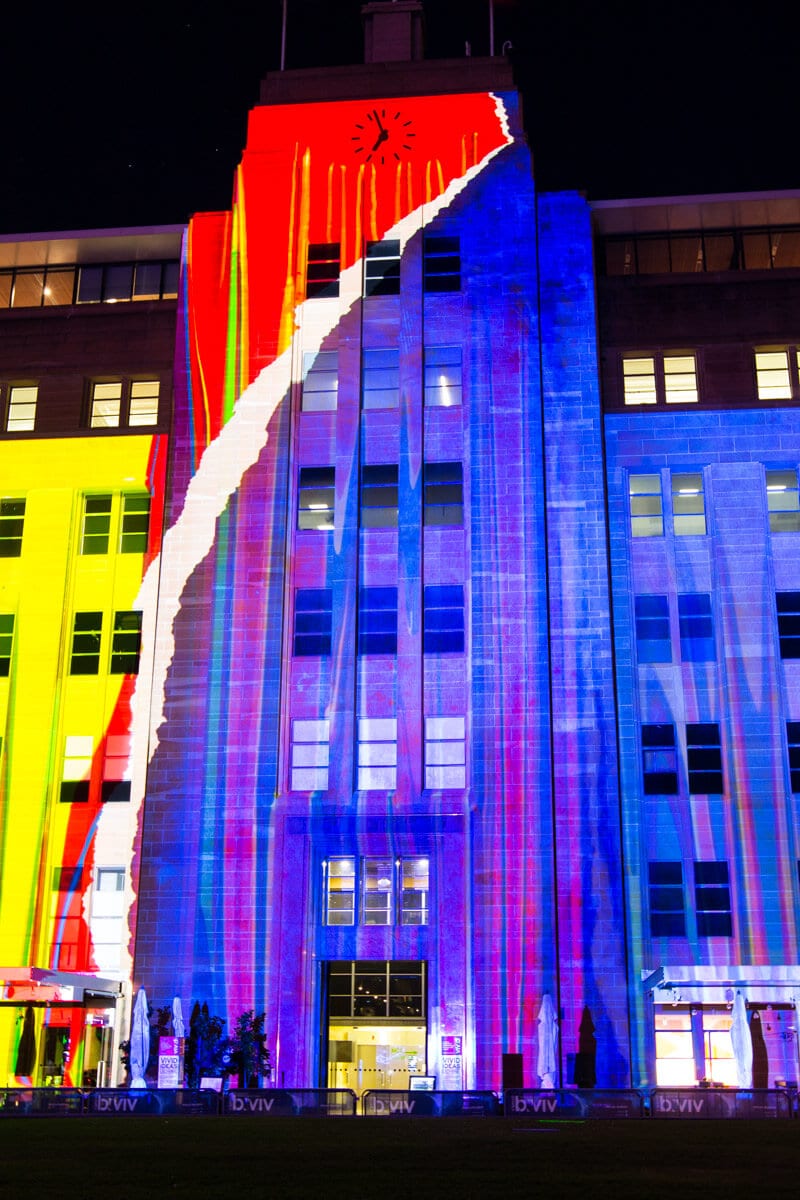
(712, 899)
(310, 755)
(783, 501)
(340, 891)
(322, 273)
(688, 504)
(442, 376)
(6, 643)
(647, 519)
(704, 760)
(21, 416)
(110, 879)
(680, 379)
(12, 522)
(320, 381)
(659, 760)
(377, 891)
(444, 619)
(87, 632)
(773, 381)
(116, 404)
(377, 754)
(316, 498)
(106, 405)
(376, 989)
(444, 493)
(653, 644)
(135, 524)
(144, 402)
(788, 606)
(126, 643)
(116, 786)
(115, 282)
(313, 621)
(379, 499)
(108, 909)
(445, 752)
(442, 264)
(77, 769)
(377, 620)
(67, 879)
(793, 741)
(667, 916)
(414, 889)
(696, 627)
(668, 378)
(382, 268)
(380, 379)
(639, 380)
(96, 525)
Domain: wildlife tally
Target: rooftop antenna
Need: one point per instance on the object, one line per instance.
(283, 36)
(491, 28)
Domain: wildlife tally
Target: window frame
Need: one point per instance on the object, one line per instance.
(21, 423)
(659, 367)
(782, 482)
(666, 898)
(124, 417)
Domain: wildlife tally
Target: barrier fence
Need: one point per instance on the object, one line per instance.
(561, 1104)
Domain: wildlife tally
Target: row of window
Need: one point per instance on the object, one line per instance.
(688, 252)
(688, 502)
(441, 267)
(696, 627)
(376, 891)
(76, 772)
(703, 760)
(109, 283)
(380, 378)
(376, 766)
(87, 639)
(672, 378)
(443, 626)
(115, 404)
(442, 496)
(105, 520)
(712, 897)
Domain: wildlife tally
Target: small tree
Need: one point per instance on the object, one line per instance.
(248, 1049)
(205, 1045)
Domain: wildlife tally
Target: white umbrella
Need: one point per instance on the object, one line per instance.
(140, 1041)
(178, 1026)
(547, 1061)
(742, 1043)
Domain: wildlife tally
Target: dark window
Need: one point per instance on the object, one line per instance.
(382, 268)
(12, 522)
(315, 498)
(793, 740)
(115, 791)
(380, 379)
(653, 643)
(6, 642)
(87, 633)
(379, 496)
(377, 620)
(135, 524)
(659, 760)
(322, 277)
(696, 627)
(442, 264)
(667, 916)
(704, 759)
(96, 524)
(126, 643)
(376, 989)
(444, 619)
(788, 606)
(444, 493)
(712, 899)
(67, 879)
(313, 621)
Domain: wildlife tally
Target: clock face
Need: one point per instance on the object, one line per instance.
(385, 135)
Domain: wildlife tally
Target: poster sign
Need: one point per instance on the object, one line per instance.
(170, 1062)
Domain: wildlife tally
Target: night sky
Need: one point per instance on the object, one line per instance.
(136, 114)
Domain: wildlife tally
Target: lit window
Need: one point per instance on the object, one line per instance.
(414, 889)
(110, 879)
(443, 631)
(445, 752)
(116, 769)
(696, 627)
(315, 498)
(653, 379)
(793, 742)
(667, 916)
(320, 381)
(313, 621)
(680, 379)
(108, 909)
(106, 405)
(704, 759)
(379, 496)
(340, 891)
(135, 524)
(713, 899)
(144, 402)
(653, 644)
(96, 524)
(688, 504)
(322, 273)
(442, 376)
(6, 643)
(87, 632)
(659, 760)
(772, 375)
(12, 523)
(639, 380)
(382, 268)
(377, 891)
(783, 501)
(788, 606)
(380, 378)
(443, 499)
(22, 409)
(377, 620)
(77, 769)
(647, 519)
(310, 755)
(442, 264)
(126, 643)
(377, 754)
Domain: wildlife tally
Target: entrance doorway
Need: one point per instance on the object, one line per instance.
(375, 1033)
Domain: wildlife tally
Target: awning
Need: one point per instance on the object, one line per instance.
(39, 985)
(718, 983)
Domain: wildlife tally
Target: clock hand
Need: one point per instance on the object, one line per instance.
(383, 136)
(378, 120)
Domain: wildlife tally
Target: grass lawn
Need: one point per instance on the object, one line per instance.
(136, 1158)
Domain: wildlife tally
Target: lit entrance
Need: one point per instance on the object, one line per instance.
(376, 1027)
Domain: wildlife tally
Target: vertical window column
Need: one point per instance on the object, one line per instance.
(445, 752)
(783, 501)
(647, 513)
(377, 754)
(340, 891)
(667, 916)
(688, 504)
(653, 644)
(310, 755)
(713, 899)
(696, 627)
(659, 760)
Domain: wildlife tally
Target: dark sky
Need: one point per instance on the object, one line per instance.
(135, 114)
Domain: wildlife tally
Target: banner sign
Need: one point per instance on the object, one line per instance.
(594, 1104)
(717, 1103)
(149, 1102)
(40, 1102)
(291, 1102)
(170, 1062)
(378, 1103)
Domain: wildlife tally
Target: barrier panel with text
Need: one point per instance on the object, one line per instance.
(719, 1103)
(390, 1103)
(152, 1102)
(566, 1104)
(40, 1102)
(291, 1102)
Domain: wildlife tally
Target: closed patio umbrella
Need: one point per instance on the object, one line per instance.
(140, 1041)
(547, 1060)
(178, 1026)
(26, 1051)
(742, 1043)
